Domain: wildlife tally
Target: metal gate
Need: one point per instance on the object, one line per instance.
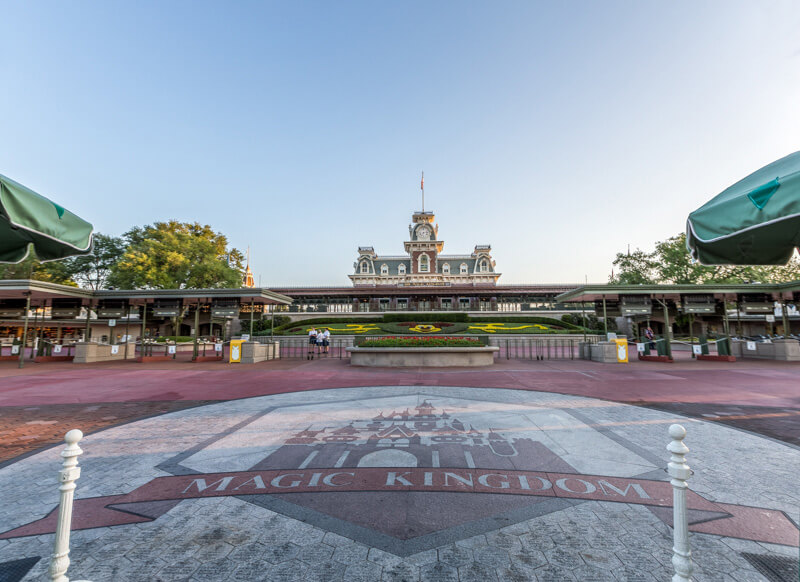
(531, 348)
(299, 348)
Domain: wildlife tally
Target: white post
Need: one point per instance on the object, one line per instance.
(680, 472)
(59, 562)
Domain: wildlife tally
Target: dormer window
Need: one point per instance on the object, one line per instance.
(484, 266)
(464, 268)
(446, 268)
(424, 264)
(401, 270)
(364, 267)
(384, 269)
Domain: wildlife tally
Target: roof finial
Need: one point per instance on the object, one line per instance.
(422, 187)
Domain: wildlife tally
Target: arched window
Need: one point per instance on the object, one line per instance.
(464, 268)
(401, 270)
(364, 267)
(424, 263)
(446, 268)
(484, 266)
(384, 269)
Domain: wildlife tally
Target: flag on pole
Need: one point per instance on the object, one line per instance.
(422, 182)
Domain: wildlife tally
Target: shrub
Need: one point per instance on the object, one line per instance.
(175, 338)
(418, 317)
(421, 342)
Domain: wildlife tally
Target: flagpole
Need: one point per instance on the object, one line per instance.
(422, 187)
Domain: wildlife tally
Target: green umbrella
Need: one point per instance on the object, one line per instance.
(754, 222)
(27, 217)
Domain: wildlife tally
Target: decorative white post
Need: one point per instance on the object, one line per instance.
(680, 472)
(59, 561)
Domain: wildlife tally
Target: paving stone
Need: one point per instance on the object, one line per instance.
(290, 571)
(588, 573)
(564, 558)
(530, 559)
(252, 572)
(215, 570)
(281, 553)
(516, 573)
(363, 572)
(327, 571)
(438, 572)
(635, 574)
(600, 559)
(554, 573)
(455, 556)
(422, 558)
(492, 557)
(351, 553)
(477, 572)
(315, 553)
(181, 570)
(400, 572)
(504, 541)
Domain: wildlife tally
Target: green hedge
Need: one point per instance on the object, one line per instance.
(450, 328)
(528, 319)
(324, 321)
(420, 342)
(425, 317)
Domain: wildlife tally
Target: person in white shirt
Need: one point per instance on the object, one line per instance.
(326, 336)
(312, 341)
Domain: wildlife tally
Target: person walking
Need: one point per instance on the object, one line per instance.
(312, 341)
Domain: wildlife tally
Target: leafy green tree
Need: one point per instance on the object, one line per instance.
(92, 271)
(32, 268)
(670, 263)
(176, 255)
(634, 268)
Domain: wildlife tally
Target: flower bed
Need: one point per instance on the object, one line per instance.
(421, 342)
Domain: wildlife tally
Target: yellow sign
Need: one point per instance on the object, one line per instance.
(236, 352)
(622, 350)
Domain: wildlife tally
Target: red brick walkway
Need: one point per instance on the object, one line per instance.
(41, 402)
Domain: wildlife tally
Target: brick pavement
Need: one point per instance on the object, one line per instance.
(291, 537)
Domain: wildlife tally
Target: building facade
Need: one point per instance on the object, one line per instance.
(424, 265)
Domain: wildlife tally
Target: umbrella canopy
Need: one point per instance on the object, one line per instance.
(27, 217)
(754, 222)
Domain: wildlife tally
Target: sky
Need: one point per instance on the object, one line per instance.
(558, 132)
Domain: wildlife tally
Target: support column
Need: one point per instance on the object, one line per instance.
(144, 323)
(25, 330)
(605, 317)
(196, 349)
(252, 307)
(785, 318)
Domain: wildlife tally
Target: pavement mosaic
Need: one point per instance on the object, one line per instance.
(407, 483)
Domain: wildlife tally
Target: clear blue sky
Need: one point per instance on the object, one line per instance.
(558, 132)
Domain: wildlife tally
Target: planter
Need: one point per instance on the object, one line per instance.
(426, 357)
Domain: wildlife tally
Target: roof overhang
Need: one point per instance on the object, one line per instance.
(45, 290)
(674, 292)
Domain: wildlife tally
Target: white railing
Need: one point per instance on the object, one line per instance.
(680, 472)
(59, 561)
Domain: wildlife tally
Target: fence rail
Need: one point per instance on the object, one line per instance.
(530, 348)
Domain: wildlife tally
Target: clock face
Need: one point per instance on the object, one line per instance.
(423, 233)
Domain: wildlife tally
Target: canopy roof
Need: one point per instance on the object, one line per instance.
(594, 292)
(45, 290)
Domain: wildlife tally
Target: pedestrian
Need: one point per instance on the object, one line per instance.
(648, 333)
(326, 339)
(320, 340)
(312, 341)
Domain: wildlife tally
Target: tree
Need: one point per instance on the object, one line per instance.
(670, 263)
(92, 271)
(634, 268)
(176, 255)
(32, 268)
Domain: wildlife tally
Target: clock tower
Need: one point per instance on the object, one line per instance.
(423, 247)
